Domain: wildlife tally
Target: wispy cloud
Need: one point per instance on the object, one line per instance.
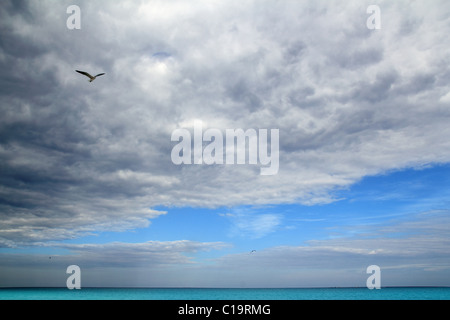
(409, 252)
(404, 249)
(250, 223)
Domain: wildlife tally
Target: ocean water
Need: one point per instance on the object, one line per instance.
(408, 293)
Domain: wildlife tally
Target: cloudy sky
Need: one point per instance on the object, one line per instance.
(86, 175)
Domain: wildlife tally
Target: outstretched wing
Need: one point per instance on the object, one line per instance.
(100, 74)
(85, 73)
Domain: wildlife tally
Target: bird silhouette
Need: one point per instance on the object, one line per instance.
(91, 78)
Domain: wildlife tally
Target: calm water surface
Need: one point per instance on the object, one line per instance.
(225, 294)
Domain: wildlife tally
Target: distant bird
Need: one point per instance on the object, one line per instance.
(252, 251)
(92, 78)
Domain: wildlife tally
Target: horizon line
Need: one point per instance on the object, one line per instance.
(232, 288)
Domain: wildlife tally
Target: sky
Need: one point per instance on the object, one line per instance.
(87, 177)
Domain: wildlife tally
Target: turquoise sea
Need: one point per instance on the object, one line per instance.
(397, 293)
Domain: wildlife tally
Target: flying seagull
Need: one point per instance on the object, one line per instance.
(92, 78)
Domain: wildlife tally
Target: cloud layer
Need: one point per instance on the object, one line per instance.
(78, 157)
(410, 252)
